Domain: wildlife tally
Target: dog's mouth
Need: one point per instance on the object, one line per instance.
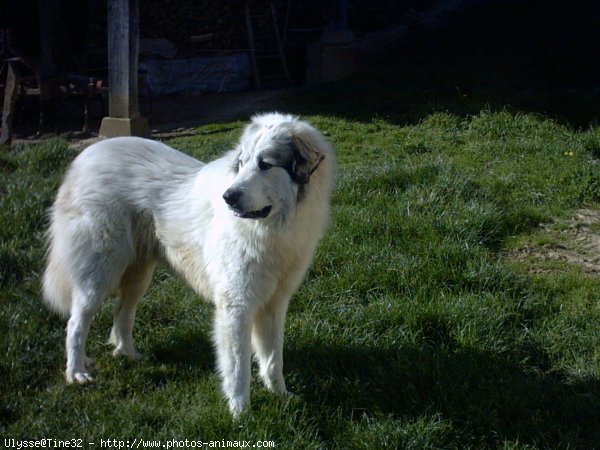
(260, 214)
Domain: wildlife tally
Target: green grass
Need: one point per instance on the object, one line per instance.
(410, 331)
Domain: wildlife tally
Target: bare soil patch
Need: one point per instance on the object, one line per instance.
(575, 241)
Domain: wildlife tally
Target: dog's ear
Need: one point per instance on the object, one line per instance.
(307, 158)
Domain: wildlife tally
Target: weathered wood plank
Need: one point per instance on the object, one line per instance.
(11, 92)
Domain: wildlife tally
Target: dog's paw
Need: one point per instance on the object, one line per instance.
(279, 391)
(288, 394)
(82, 377)
(129, 353)
(275, 385)
(237, 405)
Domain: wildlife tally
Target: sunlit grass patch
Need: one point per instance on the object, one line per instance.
(413, 328)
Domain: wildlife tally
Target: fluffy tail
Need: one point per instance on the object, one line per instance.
(57, 283)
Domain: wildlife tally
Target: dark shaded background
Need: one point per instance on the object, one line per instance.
(533, 55)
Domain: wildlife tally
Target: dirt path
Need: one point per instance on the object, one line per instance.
(573, 241)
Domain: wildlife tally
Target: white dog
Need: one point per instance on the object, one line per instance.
(242, 231)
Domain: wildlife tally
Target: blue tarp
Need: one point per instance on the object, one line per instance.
(197, 75)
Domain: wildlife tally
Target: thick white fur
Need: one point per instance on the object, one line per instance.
(127, 203)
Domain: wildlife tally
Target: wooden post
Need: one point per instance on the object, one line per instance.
(279, 42)
(123, 37)
(11, 92)
(250, 32)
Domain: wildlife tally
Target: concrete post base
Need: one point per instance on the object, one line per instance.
(113, 126)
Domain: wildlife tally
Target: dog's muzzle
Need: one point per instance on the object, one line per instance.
(233, 198)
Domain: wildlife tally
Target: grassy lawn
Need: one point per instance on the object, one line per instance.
(412, 330)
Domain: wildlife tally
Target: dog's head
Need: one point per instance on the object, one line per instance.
(274, 161)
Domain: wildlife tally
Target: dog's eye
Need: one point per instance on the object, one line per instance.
(263, 165)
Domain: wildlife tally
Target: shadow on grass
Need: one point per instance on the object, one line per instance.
(494, 397)
(406, 95)
(419, 78)
(187, 350)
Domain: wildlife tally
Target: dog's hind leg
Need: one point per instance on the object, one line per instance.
(85, 303)
(133, 285)
(267, 343)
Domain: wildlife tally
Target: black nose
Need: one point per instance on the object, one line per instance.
(232, 197)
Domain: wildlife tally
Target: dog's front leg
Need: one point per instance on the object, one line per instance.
(233, 347)
(267, 342)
